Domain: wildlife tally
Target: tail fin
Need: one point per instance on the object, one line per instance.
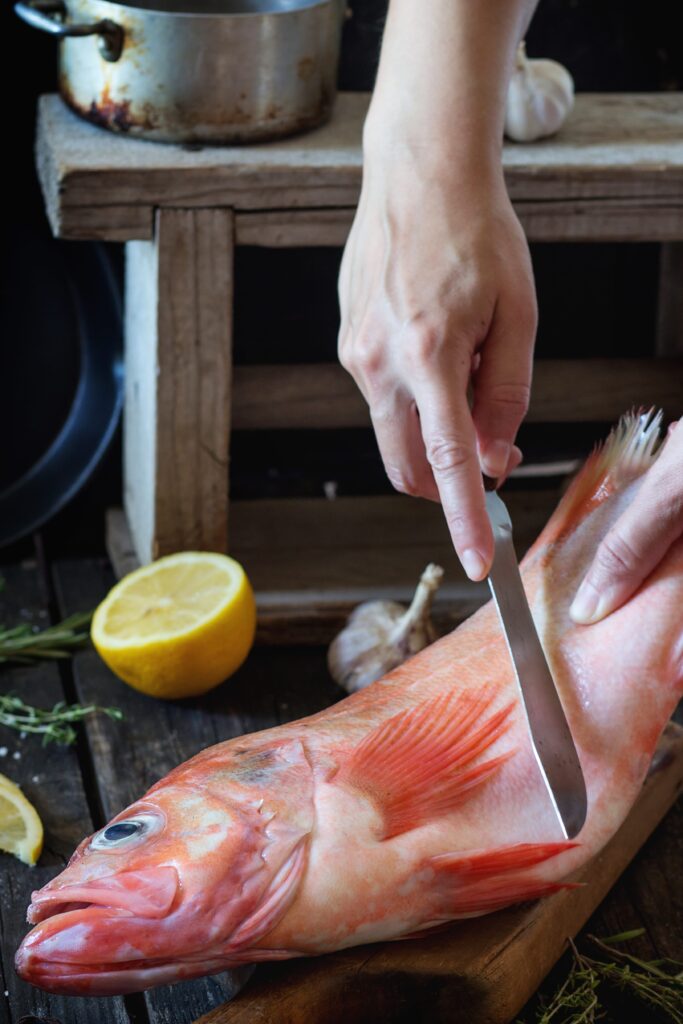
(630, 449)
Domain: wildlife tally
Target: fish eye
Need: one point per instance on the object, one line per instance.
(124, 831)
(121, 830)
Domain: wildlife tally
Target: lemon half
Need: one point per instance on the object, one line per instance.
(177, 627)
(21, 830)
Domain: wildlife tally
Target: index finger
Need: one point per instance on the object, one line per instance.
(451, 448)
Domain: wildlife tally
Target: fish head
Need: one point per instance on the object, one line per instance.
(181, 883)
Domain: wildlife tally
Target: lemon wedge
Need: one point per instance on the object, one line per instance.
(178, 627)
(21, 830)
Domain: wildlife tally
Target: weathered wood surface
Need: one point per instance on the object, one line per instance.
(614, 171)
(52, 779)
(311, 561)
(178, 382)
(487, 967)
(323, 395)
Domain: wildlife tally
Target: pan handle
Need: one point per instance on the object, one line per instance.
(47, 15)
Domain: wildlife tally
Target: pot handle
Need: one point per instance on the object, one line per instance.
(47, 15)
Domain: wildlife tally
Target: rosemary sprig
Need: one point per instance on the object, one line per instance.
(656, 984)
(55, 726)
(23, 645)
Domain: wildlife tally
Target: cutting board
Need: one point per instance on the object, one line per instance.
(480, 971)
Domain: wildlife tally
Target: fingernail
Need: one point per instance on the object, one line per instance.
(585, 605)
(495, 458)
(473, 564)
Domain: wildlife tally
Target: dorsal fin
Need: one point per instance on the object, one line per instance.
(628, 451)
(422, 763)
(480, 881)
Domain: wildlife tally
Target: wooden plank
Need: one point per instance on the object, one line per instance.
(283, 229)
(178, 330)
(487, 967)
(670, 304)
(311, 561)
(155, 736)
(51, 778)
(618, 159)
(651, 217)
(600, 220)
(323, 395)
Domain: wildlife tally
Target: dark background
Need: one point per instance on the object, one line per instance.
(593, 299)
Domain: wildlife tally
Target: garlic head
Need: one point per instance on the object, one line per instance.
(539, 99)
(380, 635)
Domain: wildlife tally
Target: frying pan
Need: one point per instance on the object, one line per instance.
(76, 304)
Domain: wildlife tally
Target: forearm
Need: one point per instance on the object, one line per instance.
(443, 77)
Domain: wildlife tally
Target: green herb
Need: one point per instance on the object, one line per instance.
(55, 725)
(24, 645)
(655, 984)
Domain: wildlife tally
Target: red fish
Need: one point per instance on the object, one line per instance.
(414, 802)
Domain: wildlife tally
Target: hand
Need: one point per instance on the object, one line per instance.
(436, 291)
(639, 540)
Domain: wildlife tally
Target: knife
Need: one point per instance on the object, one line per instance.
(550, 736)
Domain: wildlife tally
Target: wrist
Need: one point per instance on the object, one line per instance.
(452, 135)
(400, 147)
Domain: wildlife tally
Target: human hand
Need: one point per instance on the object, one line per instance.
(436, 292)
(640, 538)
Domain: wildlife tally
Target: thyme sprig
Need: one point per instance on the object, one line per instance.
(24, 645)
(54, 725)
(655, 984)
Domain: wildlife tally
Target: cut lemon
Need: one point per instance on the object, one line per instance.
(21, 830)
(177, 627)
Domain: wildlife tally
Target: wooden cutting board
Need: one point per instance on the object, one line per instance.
(481, 971)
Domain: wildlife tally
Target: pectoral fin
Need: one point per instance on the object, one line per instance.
(423, 763)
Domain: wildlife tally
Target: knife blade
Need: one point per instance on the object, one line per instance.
(550, 734)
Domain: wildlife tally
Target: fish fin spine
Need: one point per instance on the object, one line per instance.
(423, 763)
(631, 448)
(483, 881)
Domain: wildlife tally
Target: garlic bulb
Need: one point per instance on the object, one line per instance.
(540, 97)
(380, 635)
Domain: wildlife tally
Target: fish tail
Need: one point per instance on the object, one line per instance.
(630, 449)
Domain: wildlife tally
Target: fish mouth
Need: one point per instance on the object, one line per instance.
(146, 894)
(58, 956)
(121, 978)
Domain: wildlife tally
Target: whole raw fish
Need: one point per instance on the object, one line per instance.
(411, 803)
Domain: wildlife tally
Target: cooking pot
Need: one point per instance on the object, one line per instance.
(196, 70)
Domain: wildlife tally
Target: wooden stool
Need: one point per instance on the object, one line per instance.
(614, 173)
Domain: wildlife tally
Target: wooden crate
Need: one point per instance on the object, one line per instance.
(614, 173)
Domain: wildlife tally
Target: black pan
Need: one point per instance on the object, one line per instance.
(61, 375)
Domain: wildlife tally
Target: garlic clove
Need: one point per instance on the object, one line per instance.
(539, 99)
(380, 635)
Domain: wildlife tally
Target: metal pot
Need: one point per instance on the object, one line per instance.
(196, 70)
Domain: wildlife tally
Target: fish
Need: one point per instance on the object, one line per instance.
(409, 805)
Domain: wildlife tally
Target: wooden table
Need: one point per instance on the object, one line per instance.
(78, 789)
(614, 173)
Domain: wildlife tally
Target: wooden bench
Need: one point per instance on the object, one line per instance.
(614, 173)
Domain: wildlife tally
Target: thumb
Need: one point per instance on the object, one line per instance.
(501, 388)
(638, 541)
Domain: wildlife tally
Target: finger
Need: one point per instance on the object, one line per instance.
(502, 384)
(638, 541)
(514, 461)
(451, 450)
(397, 429)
